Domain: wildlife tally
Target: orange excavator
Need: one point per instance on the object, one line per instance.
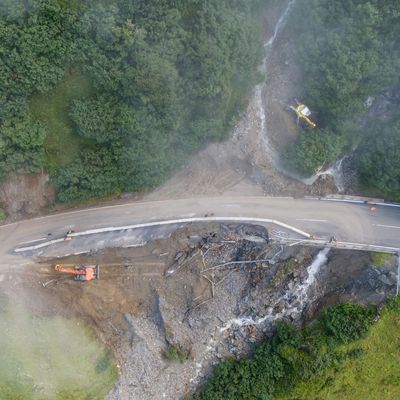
(81, 272)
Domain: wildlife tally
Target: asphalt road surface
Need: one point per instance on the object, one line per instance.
(323, 219)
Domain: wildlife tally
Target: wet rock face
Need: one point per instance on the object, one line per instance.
(324, 184)
(349, 276)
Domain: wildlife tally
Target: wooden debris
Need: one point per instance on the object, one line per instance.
(212, 284)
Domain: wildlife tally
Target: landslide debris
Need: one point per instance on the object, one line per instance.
(173, 308)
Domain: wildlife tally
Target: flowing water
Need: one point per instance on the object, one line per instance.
(272, 154)
(334, 170)
(298, 298)
(295, 300)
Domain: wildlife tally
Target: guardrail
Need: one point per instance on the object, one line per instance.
(338, 245)
(355, 199)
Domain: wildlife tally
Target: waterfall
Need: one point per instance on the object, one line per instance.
(297, 299)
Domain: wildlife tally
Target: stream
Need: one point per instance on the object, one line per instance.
(294, 299)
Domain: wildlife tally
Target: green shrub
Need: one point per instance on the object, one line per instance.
(2, 214)
(379, 259)
(175, 352)
(312, 151)
(284, 269)
(346, 323)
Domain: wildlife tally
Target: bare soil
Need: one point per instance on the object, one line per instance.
(26, 194)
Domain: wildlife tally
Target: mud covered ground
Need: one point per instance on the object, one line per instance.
(175, 294)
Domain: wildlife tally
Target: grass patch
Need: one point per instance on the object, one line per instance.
(285, 268)
(175, 352)
(52, 110)
(372, 373)
(51, 358)
(379, 259)
(2, 215)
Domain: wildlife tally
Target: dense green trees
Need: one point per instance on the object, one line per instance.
(21, 145)
(102, 118)
(346, 322)
(94, 173)
(313, 150)
(348, 50)
(378, 156)
(36, 45)
(167, 76)
(291, 356)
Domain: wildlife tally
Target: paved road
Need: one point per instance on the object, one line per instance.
(347, 221)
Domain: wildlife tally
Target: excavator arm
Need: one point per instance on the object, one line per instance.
(303, 112)
(81, 273)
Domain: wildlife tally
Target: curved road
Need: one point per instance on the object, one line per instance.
(347, 221)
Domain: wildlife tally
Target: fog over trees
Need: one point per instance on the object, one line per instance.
(141, 85)
(165, 78)
(348, 51)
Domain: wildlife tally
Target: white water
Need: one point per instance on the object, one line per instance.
(336, 169)
(279, 25)
(298, 298)
(272, 154)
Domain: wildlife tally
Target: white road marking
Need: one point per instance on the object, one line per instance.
(387, 226)
(311, 220)
(34, 240)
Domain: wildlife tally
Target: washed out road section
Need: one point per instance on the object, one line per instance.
(346, 221)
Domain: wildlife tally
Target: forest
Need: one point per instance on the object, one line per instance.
(112, 96)
(348, 52)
